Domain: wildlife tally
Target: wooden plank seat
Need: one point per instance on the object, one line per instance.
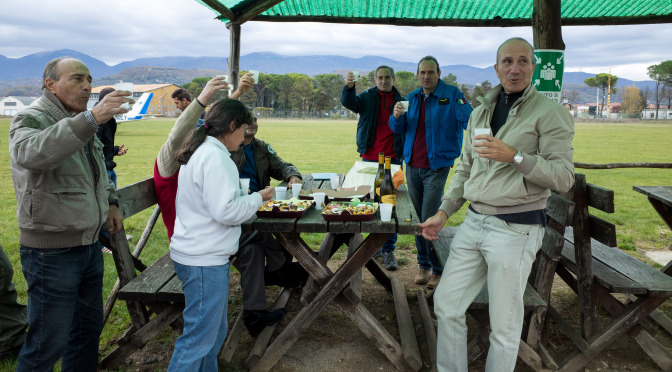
(596, 269)
(537, 292)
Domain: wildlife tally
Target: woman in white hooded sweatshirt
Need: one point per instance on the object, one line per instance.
(210, 207)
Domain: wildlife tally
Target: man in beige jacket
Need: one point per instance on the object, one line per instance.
(506, 176)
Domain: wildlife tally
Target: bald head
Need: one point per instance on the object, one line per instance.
(516, 40)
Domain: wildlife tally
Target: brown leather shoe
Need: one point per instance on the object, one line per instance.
(422, 276)
(433, 281)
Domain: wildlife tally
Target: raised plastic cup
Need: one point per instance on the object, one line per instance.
(225, 78)
(334, 181)
(385, 211)
(127, 87)
(355, 75)
(405, 104)
(280, 192)
(255, 76)
(319, 200)
(296, 189)
(245, 185)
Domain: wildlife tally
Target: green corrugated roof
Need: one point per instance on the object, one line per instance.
(437, 12)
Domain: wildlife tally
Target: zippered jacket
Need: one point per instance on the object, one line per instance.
(539, 127)
(446, 117)
(60, 179)
(267, 162)
(366, 104)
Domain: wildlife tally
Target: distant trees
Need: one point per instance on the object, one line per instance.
(662, 75)
(299, 95)
(602, 82)
(632, 101)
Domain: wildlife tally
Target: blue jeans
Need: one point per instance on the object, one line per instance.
(389, 245)
(206, 293)
(113, 177)
(65, 307)
(425, 187)
(485, 251)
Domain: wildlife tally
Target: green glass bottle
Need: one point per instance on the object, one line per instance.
(388, 194)
(379, 177)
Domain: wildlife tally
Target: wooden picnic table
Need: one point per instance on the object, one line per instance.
(158, 290)
(660, 198)
(335, 286)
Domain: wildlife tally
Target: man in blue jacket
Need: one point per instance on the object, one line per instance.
(374, 107)
(437, 115)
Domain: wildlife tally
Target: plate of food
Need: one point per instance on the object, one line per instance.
(292, 208)
(349, 211)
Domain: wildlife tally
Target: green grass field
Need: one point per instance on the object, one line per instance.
(328, 146)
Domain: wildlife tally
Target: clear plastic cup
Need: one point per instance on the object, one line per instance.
(319, 200)
(385, 211)
(127, 87)
(225, 78)
(355, 75)
(245, 185)
(405, 104)
(335, 182)
(296, 189)
(480, 131)
(280, 192)
(255, 76)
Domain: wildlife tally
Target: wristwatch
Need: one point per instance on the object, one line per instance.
(114, 202)
(518, 158)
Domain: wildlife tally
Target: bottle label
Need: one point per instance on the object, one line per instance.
(389, 199)
(378, 191)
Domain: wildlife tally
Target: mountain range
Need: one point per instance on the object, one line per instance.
(178, 70)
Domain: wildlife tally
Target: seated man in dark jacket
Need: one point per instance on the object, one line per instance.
(260, 258)
(374, 135)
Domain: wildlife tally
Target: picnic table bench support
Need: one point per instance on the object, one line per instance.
(332, 288)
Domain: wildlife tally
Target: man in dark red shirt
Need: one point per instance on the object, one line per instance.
(374, 135)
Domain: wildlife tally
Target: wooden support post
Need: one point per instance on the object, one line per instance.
(546, 25)
(234, 55)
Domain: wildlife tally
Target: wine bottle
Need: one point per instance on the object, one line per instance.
(388, 194)
(379, 177)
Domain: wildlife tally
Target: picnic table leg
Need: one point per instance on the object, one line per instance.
(615, 329)
(329, 291)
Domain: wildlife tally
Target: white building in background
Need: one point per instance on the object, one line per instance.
(663, 113)
(11, 105)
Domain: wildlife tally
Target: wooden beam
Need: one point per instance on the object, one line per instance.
(221, 9)
(496, 22)
(256, 8)
(234, 56)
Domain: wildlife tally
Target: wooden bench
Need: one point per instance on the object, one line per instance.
(595, 269)
(537, 293)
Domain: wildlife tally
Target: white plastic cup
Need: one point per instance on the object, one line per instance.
(334, 181)
(319, 200)
(296, 189)
(127, 87)
(355, 75)
(255, 76)
(224, 77)
(405, 104)
(385, 211)
(245, 185)
(480, 131)
(280, 192)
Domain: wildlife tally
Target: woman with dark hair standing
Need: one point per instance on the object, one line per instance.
(210, 206)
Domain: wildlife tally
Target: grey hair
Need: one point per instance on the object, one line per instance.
(51, 70)
(386, 67)
(513, 40)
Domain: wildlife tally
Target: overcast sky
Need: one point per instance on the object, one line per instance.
(122, 30)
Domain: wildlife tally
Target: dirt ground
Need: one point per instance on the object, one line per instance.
(334, 343)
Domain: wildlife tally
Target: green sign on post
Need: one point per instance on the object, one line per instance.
(547, 76)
